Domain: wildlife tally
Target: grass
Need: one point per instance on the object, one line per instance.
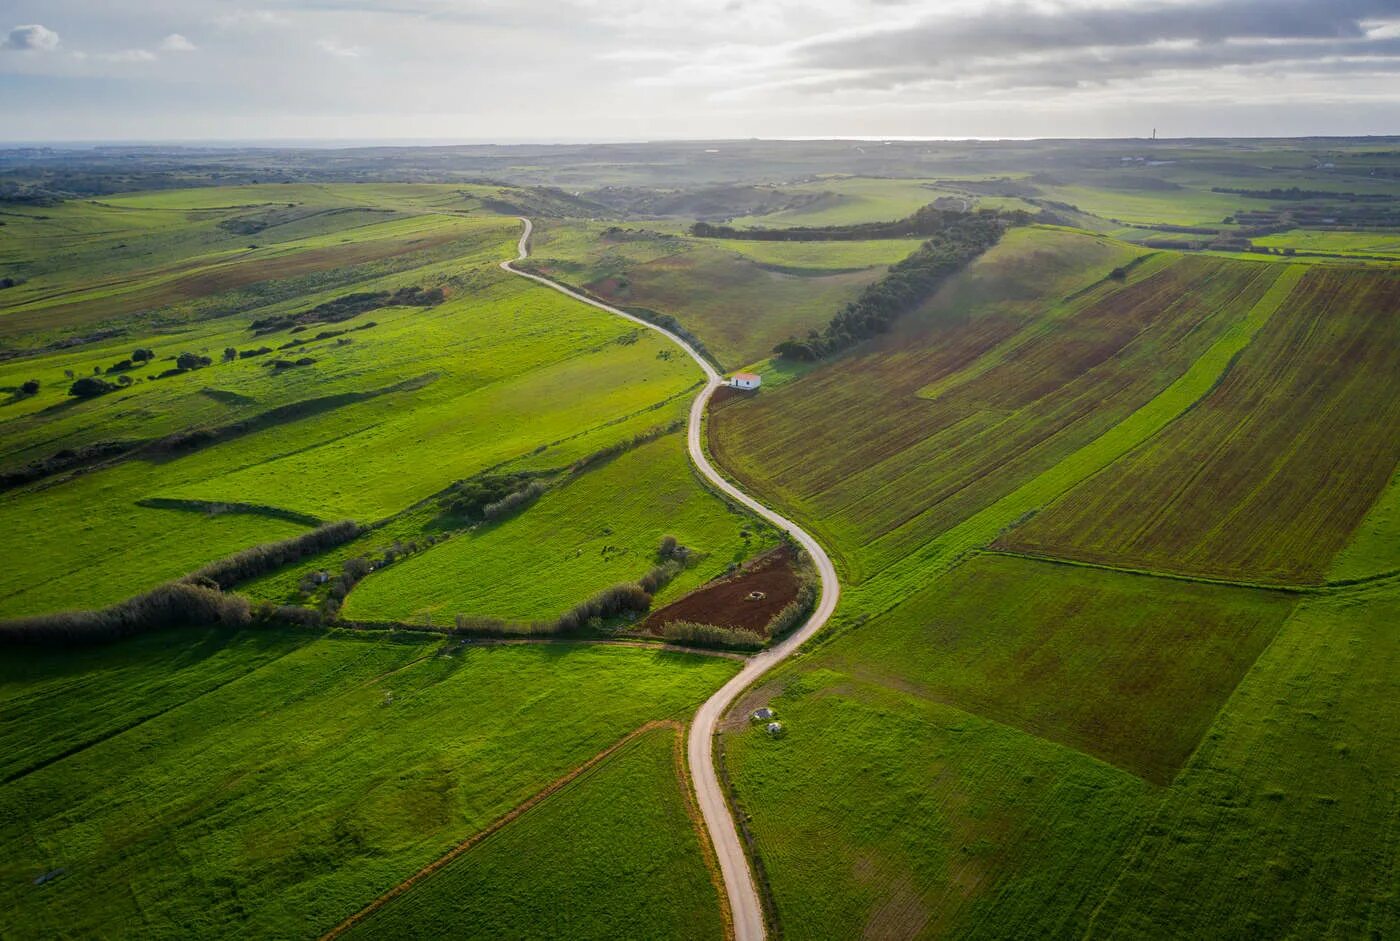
(594, 531)
(613, 854)
(1128, 668)
(292, 779)
(1245, 484)
(886, 814)
(502, 373)
(1284, 822)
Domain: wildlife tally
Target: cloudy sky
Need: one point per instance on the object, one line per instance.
(637, 69)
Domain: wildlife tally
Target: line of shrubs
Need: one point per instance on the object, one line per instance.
(259, 560)
(908, 284)
(179, 604)
(925, 221)
(710, 635)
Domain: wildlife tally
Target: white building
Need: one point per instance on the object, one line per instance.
(745, 380)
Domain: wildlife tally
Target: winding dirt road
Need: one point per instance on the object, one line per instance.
(738, 879)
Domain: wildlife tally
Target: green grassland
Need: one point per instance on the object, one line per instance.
(613, 854)
(593, 531)
(739, 297)
(220, 784)
(883, 813)
(1284, 822)
(1235, 487)
(503, 372)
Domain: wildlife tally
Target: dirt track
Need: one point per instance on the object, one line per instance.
(734, 864)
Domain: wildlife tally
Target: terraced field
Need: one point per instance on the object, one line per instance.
(1266, 477)
(581, 864)
(274, 784)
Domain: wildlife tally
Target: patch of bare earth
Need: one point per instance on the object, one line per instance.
(748, 600)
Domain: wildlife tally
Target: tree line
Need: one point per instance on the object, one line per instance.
(908, 283)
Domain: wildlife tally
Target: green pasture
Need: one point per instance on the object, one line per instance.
(222, 785)
(613, 854)
(591, 532)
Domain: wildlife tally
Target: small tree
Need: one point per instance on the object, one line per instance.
(143, 355)
(123, 380)
(30, 387)
(191, 361)
(230, 354)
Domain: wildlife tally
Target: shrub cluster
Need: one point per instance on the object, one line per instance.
(351, 305)
(469, 498)
(627, 596)
(514, 501)
(61, 461)
(90, 387)
(262, 559)
(710, 635)
(179, 604)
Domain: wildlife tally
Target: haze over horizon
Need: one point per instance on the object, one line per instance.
(627, 69)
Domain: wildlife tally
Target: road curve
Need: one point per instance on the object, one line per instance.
(734, 864)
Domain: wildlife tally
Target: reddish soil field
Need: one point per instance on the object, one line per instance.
(725, 602)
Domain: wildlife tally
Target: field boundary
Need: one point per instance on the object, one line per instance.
(494, 826)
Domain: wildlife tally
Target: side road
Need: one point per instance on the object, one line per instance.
(734, 865)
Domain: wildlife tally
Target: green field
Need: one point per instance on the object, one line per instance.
(739, 297)
(1117, 529)
(614, 854)
(594, 531)
(502, 372)
(225, 784)
(964, 402)
(1284, 822)
(1237, 486)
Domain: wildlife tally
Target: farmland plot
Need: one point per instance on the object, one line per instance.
(614, 854)
(961, 404)
(1267, 476)
(279, 799)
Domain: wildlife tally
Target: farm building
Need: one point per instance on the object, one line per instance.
(745, 380)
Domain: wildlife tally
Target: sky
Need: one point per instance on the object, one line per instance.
(563, 70)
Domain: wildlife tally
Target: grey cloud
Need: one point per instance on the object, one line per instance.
(1024, 46)
(31, 38)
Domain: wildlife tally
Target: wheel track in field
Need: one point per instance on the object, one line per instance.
(744, 903)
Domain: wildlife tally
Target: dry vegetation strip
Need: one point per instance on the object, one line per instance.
(1267, 476)
(885, 468)
(496, 825)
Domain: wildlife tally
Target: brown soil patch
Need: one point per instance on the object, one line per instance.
(747, 600)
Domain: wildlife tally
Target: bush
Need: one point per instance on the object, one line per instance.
(230, 354)
(143, 355)
(262, 559)
(628, 596)
(89, 387)
(260, 351)
(175, 605)
(513, 501)
(710, 635)
(30, 387)
(192, 361)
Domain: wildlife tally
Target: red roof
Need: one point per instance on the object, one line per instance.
(746, 375)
